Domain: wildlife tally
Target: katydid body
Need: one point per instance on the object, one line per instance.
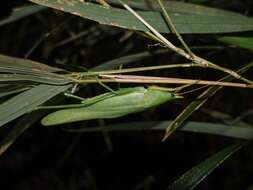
(111, 105)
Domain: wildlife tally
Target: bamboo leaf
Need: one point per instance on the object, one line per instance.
(243, 42)
(21, 12)
(22, 64)
(241, 132)
(204, 20)
(193, 177)
(26, 70)
(27, 101)
(44, 79)
(11, 89)
(175, 6)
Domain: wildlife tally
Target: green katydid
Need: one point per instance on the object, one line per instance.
(110, 105)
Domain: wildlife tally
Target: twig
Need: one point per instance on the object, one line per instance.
(130, 70)
(157, 80)
(173, 28)
(104, 3)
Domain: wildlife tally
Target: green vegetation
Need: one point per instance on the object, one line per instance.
(126, 94)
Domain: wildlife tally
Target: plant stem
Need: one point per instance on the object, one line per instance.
(135, 69)
(156, 80)
(173, 28)
(194, 58)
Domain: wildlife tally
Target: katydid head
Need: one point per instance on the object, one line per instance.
(155, 97)
(176, 95)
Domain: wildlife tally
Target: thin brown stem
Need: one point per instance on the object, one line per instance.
(135, 69)
(157, 80)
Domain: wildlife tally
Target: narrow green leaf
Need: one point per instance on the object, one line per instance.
(44, 78)
(27, 101)
(21, 12)
(19, 69)
(11, 89)
(243, 42)
(185, 23)
(193, 177)
(22, 64)
(175, 7)
(241, 132)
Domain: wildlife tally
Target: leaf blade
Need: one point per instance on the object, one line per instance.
(243, 42)
(184, 22)
(191, 178)
(232, 131)
(27, 101)
(20, 63)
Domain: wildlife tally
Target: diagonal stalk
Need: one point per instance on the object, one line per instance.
(194, 58)
(173, 28)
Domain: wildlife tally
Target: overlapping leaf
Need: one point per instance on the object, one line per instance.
(241, 132)
(18, 70)
(187, 18)
(21, 64)
(44, 79)
(27, 101)
(175, 7)
(243, 42)
(11, 89)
